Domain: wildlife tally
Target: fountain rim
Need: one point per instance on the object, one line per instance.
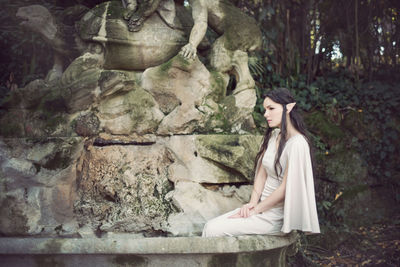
(143, 246)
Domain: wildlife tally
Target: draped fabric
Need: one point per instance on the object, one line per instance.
(300, 210)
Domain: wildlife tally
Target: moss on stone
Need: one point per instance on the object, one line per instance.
(241, 30)
(141, 102)
(230, 109)
(225, 117)
(181, 61)
(13, 221)
(164, 68)
(234, 152)
(217, 85)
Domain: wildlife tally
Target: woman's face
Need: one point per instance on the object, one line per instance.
(273, 112)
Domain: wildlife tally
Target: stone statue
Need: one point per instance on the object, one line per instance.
(101, 33)
(138, 12)
(153, 44)
(238, 35)
(130, 130)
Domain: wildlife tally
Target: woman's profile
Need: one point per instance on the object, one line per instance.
(283, 197)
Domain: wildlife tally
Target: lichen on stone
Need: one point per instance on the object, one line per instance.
(124, 195)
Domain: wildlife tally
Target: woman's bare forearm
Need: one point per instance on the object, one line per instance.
(275, 198)
(272, 200)
(258, 187)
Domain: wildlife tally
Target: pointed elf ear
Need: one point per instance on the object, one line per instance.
(290, 106)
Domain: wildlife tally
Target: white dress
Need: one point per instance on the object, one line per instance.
(297, 212)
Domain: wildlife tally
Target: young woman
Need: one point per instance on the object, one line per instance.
(283, 197)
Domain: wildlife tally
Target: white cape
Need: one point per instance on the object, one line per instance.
(300, 210)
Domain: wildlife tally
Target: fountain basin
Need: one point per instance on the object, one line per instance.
(255, 250)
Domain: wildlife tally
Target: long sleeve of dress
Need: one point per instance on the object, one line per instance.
(300, 211)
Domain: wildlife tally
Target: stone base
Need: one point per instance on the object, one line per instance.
(126, 251)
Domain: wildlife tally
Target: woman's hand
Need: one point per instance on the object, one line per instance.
(245, 211)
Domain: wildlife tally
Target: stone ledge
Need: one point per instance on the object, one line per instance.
(143, 246)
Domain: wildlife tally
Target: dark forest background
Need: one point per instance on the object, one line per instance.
(341, 60)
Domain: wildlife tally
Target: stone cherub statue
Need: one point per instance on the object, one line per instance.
(238, 32)
(138, 11)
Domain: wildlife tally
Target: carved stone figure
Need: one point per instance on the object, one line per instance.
(138, 12)
(103, 31)
(130, 132)
(154, 44)
(238, 35)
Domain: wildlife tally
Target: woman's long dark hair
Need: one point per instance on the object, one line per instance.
(283, 96)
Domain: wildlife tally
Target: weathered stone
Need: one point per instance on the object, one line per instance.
(179, 87)
(114, 251)
(135, 111)
(80, 82)
(18, 215)
(243, 192)
(183, 120)
(87, 125)
(126, 174)
(40, 206)
(239, 34)
(43, 124)
(106, 139)
(235, 152)
(113, 81)
(212, 158)
(122, 188)
(42, 199)
(40, 153)
(197, 203)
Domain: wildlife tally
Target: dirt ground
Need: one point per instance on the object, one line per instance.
(375, 245)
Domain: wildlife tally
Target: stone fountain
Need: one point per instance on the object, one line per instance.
(123, 153)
